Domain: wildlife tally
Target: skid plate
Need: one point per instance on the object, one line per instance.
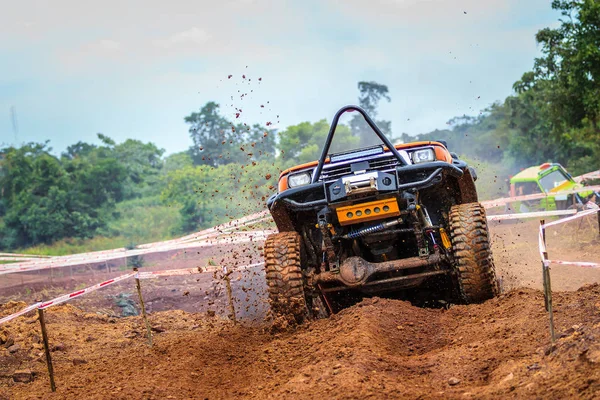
(370, 211)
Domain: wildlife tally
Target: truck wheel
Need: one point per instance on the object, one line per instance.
(284, 279)
(472, 254)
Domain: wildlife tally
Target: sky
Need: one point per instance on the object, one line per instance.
(134, 69)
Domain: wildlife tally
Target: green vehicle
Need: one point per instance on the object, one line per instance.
(548, 178)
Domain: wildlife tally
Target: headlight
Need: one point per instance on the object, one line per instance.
(301, 179)
(422, 156)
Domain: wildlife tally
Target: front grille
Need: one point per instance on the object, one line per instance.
(385, 162)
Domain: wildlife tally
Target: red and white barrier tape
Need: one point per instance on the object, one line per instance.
(66, 297)
(578, 215)
(505, 200)
(83, 258)
(190, 271)
(140, 275)
(18, 314)
(542, 244)
(21, 256)
(97, 257)
(530, 215)
(24, 259)
(589, 175)
(59, 263)
(577, 263)
(81, 292)
(172, 272)
(104, 255)
(245, 267)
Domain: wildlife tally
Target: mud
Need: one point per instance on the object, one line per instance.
(380, 348)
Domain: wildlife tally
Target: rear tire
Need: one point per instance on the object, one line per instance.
(284, 279)
(472, 253)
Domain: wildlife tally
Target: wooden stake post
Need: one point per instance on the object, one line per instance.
(139, 290)
(47, 349)
(547, 284)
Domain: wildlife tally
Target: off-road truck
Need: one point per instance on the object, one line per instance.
(377, 220)
(548, 178)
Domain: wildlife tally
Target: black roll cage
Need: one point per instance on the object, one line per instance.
(332, 128)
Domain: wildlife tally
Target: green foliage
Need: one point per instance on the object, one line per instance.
(557, 107)
(554, 112)
(44, 198)
(208, 196)
(127, 305)
(120, 193)
(143, 163)
(303, 142)
(212, 136)
(142, 220)
(140, 164)
(177, 161)
(218, 141)
(484, 137)
(370, 95)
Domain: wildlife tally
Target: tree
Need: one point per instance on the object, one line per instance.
(571, 62)
(303, 142)
(484, 137)
(142, 162)
(213, 135)
(207, 196)
(556, 110)
(217, 141)
(177, 161)
(79, 149)
(47, 199)
(370, 95)
(258, 142)
(190, 188)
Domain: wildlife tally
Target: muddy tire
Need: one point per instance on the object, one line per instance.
(284, 278)
(475, 274)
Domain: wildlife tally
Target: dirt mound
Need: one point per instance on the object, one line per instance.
(378, 349)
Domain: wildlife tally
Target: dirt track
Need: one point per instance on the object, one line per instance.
(380, 348)
(377, 349)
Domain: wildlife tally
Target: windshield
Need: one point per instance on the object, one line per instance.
(553, 179)
(523, 188)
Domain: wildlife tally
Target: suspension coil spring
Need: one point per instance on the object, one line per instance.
(365, 231)
(370, 229)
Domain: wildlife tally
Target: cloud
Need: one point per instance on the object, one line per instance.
(110, 45)
(369, 56)
(88, 57)
(429, 15)
(105, 62)
(191, 37)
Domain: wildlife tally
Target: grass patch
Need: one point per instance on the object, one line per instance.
(138, 221)
(144, 220)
